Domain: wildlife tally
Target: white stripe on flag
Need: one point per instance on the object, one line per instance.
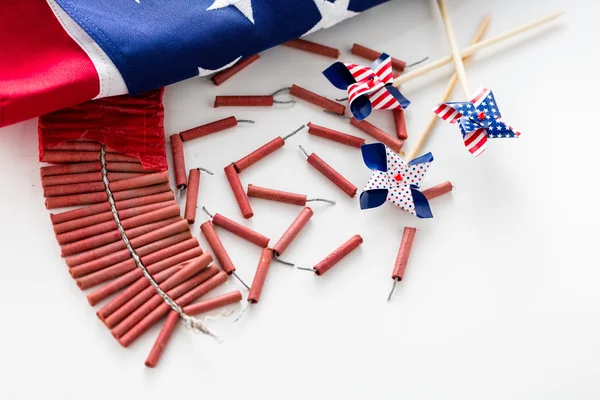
(479, 96)
(111, 81)
(479, 141)
(480, 150)
(385, 64)
(377, 95)
(390, 105)
(387, 77)
(364, 75)
(383, 100)
(448, 113)
(358, 71)
(357, 91)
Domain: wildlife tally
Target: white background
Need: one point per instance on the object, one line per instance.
(500, 299)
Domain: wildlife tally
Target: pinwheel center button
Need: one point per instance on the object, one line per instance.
(481, 116)
(398, 177)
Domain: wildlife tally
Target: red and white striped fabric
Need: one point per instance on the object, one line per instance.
(479, 96)
(448, 113)
(372, 83)
(476, 141)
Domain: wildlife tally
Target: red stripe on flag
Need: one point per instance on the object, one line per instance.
(358, 90)
(476, 134)
(440, 108)
(357, 93)
(385, 68)
(383, 98)
(392, 104)
(387, 77)
(479, 95)
(481, 143)
(41, 68)
(391, 101)
(448, 113)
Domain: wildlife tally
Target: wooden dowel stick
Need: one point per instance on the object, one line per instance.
(458, 62)
(446, 96)
(474, 49)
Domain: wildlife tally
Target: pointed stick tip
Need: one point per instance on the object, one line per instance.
(486, 21)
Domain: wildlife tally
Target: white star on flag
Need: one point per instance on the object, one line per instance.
(244, 6)
(331, 13)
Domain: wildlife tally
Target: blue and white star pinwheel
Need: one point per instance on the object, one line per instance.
(478, 119)
(368, 87)
(395, 181)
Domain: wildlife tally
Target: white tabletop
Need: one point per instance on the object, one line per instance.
(500, 298)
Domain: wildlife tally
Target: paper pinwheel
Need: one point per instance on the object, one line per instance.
(478, 119)
(395, 181)
(368, 87)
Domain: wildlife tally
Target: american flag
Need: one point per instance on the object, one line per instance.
(368, 88)
(478, 119)
(99, 48)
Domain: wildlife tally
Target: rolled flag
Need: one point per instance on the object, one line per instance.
(368, 88)
(395, 181)
(92, 49)
(478, 119)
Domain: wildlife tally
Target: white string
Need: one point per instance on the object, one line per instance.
(222, 314)
(242, 312)
(190, 322)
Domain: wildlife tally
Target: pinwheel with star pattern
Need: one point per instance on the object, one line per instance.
(479, 118)
(395, 181)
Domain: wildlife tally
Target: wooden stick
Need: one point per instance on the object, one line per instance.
(458, 62)
(474, 49)
(449, 88)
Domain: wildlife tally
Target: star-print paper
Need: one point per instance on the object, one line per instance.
(395, 181)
